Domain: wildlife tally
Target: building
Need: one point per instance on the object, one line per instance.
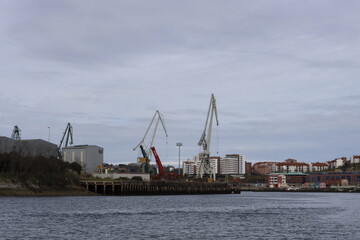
(338, 162)
(214, 162)
(189, 167)
(276, 180)
(90, 157)
(334, 178)
(28, 148)
(355, 159)
(318, 167)
(263, 168)
(296, 178)
(232, 164)
(292, 166)
(284, 180)
(248, 168)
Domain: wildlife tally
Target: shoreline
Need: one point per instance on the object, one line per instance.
(46, 192)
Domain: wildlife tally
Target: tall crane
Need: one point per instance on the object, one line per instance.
(147, 153)
(205, 139)
(16, 134)
(67, 134)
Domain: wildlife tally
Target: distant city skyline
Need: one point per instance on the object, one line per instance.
(285, 75)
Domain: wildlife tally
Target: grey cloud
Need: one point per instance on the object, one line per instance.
(285, 74)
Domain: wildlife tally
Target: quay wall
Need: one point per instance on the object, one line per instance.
(158, 188)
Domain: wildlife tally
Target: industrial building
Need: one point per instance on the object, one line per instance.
(28, 148)
(90, 157)
(334, 178)
(284, 180)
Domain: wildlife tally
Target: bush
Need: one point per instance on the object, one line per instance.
(44, 171)
(137, 178)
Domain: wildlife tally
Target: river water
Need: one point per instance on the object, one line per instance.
(249, 215)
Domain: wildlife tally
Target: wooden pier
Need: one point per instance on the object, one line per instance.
(158, 188)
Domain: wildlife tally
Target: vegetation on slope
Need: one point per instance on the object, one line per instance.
(42, 171)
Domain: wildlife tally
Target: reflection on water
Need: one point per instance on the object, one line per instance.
(248, 215)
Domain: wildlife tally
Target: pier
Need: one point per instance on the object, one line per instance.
(158, 188)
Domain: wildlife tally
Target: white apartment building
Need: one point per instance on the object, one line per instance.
(189, 167)
(355, 159)
(232, 164)
(338, 162)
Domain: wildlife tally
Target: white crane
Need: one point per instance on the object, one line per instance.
(159, 118)
(16, 134)
(205, 166)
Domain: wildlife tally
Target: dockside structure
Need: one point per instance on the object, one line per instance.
(90, 157)
(158, 188)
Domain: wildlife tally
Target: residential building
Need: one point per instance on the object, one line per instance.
(232, 164)
(338, 162)
(189, 167)
(264, 167)
(248, 168)
(355, 159)
(318, 166)
(291, 166)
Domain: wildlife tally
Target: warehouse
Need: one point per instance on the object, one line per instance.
(90, 157)
(28, 148)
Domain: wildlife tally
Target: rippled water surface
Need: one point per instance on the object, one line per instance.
(250, 215)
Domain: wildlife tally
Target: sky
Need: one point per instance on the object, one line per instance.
(285, 75)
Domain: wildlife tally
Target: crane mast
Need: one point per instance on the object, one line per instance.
(16, 134)
(205, 139)
(147, 154)
(68, 134)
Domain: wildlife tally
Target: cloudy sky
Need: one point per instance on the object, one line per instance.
(285, 74)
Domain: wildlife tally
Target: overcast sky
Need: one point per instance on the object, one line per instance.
(285, 74)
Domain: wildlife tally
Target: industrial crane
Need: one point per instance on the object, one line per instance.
(162, 174)
(205, 165)
(147, 154)
(67, 134)
(16, 134)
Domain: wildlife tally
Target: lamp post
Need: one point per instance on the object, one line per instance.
(179, 144)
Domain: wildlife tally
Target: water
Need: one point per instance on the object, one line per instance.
(250, 215)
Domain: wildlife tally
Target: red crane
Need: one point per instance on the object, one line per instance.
(162, 174)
